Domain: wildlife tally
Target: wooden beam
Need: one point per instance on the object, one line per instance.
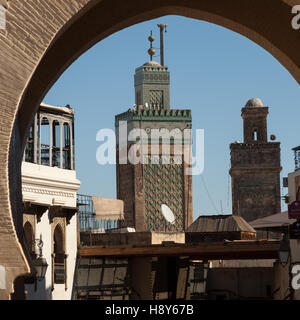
(228, 250)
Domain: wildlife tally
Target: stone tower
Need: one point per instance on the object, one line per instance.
(255, 167)
(152, 86)
(156, 179)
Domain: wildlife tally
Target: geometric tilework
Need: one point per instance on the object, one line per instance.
(163, 184)
(156, 97)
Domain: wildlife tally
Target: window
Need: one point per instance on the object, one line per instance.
(59, 255)
(45, 142)
(56, 144)
(254, 135)
(66, 146)
(29, 237)
(29, 148)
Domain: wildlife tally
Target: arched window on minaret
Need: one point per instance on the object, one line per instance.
(255, 135)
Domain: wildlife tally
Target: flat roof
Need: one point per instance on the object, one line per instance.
(57, 109)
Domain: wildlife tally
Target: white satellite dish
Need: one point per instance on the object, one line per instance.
(168, 214)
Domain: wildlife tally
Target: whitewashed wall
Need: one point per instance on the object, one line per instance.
(52, 186)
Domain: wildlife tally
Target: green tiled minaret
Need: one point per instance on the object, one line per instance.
(144, 187)
(152, 86)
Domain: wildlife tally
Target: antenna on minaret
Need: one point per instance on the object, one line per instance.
(162, 27)
(151, 51)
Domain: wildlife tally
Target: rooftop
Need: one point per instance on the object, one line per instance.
(220, 223)
(274, 221)
(57, 109)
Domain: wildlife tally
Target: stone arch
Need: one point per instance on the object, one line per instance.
(36, 49)
(244, 19)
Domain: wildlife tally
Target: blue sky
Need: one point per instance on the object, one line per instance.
(214, 72)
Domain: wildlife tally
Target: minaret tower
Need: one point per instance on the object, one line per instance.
(145, 186)
(152, 83)
(255, 166)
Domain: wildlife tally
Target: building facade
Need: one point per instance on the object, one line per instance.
(255, 166)
(162, 153)
(49, 188)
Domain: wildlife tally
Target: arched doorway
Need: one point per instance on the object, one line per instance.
(29, 236)
(58, 256)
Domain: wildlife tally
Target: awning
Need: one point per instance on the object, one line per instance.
(108, 209)
(275, 221)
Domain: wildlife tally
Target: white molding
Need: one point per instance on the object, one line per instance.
(48, 192)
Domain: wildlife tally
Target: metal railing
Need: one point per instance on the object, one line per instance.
(87, 216)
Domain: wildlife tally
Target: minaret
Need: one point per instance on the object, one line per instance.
(255, 115)
(144, 187)
(152, 83)
(255, 167)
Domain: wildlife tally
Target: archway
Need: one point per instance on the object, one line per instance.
(58, 263)
(29, 236)
(37, 49)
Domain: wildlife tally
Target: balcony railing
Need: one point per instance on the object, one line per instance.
(87, 216)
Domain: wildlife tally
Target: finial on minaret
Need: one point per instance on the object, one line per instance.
(162, 27)
(151, 51)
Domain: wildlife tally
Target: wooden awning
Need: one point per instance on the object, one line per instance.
(226, 250)
(108, 209)
(274, 222)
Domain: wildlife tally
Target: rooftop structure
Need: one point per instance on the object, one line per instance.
(255, 166)
(219, 228)
(51, 137)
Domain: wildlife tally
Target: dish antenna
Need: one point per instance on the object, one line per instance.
(168, 214)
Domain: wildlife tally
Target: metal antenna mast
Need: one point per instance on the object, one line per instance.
(162, 27)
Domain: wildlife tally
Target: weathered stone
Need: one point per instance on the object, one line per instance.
(255, 167)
